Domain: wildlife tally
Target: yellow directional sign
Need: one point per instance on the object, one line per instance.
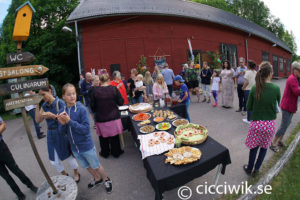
(21, 71)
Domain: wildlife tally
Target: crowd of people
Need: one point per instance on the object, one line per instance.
(69, 135)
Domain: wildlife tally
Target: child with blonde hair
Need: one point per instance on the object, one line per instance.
(148, 81)
(160, 89)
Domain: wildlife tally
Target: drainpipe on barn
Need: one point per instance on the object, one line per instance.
(78, 48)
(246, 44)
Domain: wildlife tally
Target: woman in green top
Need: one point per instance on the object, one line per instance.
(191, 78)
(262, 102)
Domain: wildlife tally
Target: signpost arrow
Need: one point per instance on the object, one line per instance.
(21, 71)
(10, 104)
(11, 88)
(19, 58)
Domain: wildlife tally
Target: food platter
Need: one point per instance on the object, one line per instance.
(191, 134)
(163, 126)
(179, 122)
(147, 129)
(161, 137)
(145, 122)
(166, 114)
(158, 119)
(140, 107)
(141, 117)
(183, 155)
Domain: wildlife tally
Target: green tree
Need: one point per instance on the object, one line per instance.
(52, 47)
(257, 12)
(253, 10)
(221, 4)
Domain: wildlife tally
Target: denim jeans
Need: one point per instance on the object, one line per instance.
(260, 158)
(285, 122)
(187, 104)
(36, 125)
(170, 89)
(137, 100)
(242, 101)
(205, 89)
(246, 94)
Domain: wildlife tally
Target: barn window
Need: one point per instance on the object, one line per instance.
(229, 52)
(289, 66)
(265, 56)
(275, 65)
(281, 64)
(197, 56)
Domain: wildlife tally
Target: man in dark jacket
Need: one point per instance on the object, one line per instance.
(85, 86)
(7, 162)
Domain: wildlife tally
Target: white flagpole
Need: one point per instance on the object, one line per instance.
(191, 49)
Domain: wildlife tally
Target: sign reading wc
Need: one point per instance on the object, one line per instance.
(19, 58)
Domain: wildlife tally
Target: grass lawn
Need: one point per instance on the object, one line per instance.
(286, 184)
(7, 116)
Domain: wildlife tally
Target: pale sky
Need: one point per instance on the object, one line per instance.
(285, 10)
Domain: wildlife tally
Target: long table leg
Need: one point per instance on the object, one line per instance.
(218, 174)
(122, 141)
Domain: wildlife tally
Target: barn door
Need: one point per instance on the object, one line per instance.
(115, 67)
(275, 66)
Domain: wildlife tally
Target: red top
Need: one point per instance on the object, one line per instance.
(290, 95)
(122, 90)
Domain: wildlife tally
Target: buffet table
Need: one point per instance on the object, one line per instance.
(165, 177)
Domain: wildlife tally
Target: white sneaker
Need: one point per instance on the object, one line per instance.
(246, 121)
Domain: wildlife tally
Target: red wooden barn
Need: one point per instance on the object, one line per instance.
(115, 33)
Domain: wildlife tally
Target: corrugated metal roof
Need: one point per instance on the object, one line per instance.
(89, 9)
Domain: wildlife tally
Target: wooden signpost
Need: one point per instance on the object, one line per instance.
(11, 88)
(22, 71)
(10, 104)
(19, 58)
(21, 33)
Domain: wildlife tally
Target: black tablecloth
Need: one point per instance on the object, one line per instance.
(165, 177)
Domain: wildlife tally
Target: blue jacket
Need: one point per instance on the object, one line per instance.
(78, 128)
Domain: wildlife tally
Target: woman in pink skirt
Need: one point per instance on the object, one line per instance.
(104, 102)
(262, 102)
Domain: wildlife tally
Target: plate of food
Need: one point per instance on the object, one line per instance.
(125, 107)
(147, 129)
(166, 114)
(163, 126)
(183, 155)
(141, 117)
(161, 137)
(158, 119)
(140, 108)
(179, 122)
(145, 122)
(191, 134)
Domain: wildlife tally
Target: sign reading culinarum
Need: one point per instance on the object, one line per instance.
(10, 104)
(11, 88)
(21, 71)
